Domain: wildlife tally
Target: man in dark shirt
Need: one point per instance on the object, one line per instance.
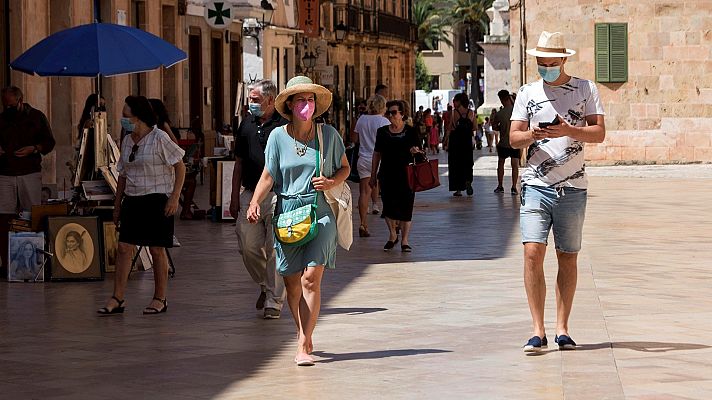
(257, 240)
(25, 136)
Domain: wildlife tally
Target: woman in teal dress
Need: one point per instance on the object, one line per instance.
(290, 165)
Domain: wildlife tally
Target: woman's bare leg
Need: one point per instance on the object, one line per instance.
(309, 307)
(364, 195)
(405, 232)
(121, 276)
(160, 276)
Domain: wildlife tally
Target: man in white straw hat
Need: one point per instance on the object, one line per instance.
(554, 116)
(291, 172)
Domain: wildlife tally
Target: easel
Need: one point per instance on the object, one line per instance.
(171, 266)
(47, 255)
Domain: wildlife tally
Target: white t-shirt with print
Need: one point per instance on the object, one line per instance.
(366, 127)
(556, 162)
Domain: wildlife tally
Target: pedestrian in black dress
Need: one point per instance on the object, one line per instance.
(395, 146)
(459, 146)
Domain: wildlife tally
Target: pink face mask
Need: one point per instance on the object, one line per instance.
(304, 109)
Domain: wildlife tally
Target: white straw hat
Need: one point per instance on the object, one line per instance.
(551, 44)
(302, 84)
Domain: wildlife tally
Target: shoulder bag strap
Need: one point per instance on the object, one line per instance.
(317, 171)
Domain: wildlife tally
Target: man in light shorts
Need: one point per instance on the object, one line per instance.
(25, 135)
(554, 116)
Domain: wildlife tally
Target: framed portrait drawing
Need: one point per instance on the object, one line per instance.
(26, 257)
(78, 248)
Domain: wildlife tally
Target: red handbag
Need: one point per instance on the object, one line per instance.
(423, 175)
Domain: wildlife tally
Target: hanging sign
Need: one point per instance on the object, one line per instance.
(309, 17)
(218, 14)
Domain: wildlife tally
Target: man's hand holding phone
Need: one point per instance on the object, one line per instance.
(556, 128)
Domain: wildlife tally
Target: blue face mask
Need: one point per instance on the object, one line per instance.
(256, 109)
(549, 74)
(127, 125)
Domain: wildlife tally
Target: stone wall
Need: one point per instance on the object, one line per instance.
(663, 113)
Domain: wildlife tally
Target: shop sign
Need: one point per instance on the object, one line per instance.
(309, 17)
(326, 75)
(218, 14)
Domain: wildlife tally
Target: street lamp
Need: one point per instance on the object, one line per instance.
(340, 31)
(267, 11)
(309, 60)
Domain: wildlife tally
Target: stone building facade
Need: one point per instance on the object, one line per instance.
(378, 48)
(662, 112)
(183, 88)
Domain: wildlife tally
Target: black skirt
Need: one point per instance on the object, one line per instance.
(143, 221)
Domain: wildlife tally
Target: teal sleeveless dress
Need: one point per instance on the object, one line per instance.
(292, 177)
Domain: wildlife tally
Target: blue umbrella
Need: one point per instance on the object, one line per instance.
(98, 49)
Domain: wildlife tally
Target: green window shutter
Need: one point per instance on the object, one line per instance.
(602, 53)
(618, 52)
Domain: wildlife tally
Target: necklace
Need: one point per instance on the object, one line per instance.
(301, 148)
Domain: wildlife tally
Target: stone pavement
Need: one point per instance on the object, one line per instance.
(446, 321)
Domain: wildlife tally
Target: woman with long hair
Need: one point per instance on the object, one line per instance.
(291, 172)
(93, 103)
(458, 137)
(72, 255)
(164, 121)
(24, 261)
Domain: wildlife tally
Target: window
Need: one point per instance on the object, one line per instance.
(611, 52)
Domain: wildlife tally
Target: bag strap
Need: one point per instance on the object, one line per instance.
(320, 143)
(317, 171)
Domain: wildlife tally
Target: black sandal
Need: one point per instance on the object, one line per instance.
(389, 244)
(154, 310)
(406, 249)
(119, 309)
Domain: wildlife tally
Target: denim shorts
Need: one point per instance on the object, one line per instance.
(563, 209)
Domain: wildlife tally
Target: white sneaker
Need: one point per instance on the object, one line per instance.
(375, 210)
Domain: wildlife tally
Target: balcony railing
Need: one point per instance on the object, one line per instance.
(397, 27)
(354, 19)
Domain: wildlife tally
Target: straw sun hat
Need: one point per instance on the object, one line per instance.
(302, 84)
(551, 44)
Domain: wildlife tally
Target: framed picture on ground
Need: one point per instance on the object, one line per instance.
(81, 162)
(26, 257)
(101, 141)
(226, 169)
(78, 248)
(111, 248)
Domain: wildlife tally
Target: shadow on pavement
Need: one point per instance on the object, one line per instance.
(370, 355)
(351, 310)
(644, 347)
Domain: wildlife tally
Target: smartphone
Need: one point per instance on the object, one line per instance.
(554, 122)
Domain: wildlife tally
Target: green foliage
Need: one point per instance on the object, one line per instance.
(422, 77)
(471, 15)
(433, 24)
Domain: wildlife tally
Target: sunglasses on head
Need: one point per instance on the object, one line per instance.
(392, 112)
(132, 156)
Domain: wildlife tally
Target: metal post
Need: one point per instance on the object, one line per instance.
(6, 44)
